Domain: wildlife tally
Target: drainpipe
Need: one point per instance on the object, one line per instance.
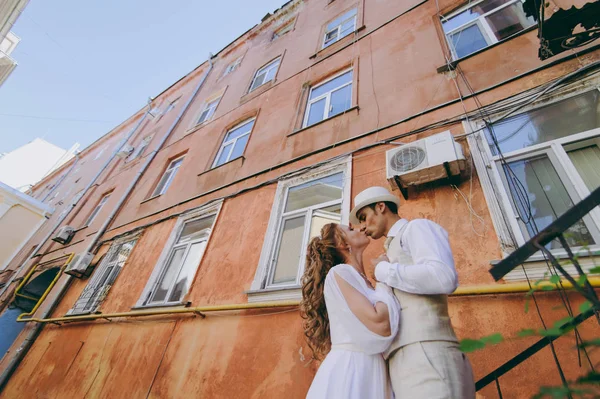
(35, 330)
(73, 204)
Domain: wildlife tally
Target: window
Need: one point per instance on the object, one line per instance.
(483, 23)
(552, 158)
(232, 67)
(265, 74)
(329, 98)
(303, 205)
(104, 277)
(340, 27)
(283, 30)
(158, 115)
(142, 147)
(208, 111)
(167, 177)
(234, 143)
(99, 154)
(181, 257)
(97, 209)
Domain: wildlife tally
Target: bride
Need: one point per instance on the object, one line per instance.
(345, 318)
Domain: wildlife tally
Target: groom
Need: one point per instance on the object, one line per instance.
(424, 358)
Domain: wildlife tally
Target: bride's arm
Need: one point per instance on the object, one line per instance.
(375, 318)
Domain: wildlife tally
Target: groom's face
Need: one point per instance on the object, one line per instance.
(372, 220)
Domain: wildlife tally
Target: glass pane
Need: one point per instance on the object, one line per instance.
(333, 209)
(319, 220)
(259, 80)
(561, 119)
(168, 277)
(548, 199)
(238, 131)
(223, 157)
(290, 249)
(187, 271)
(472, 13)
(330, 37)
(271, 74)
(315, 192)
(341, 19)
(509, 20)
(204, 115)
(316, 112)
(467, 41)
(240, 145)
(331, 85)
(587, 163)
(347, 28)
(190, 229)
(340, 100)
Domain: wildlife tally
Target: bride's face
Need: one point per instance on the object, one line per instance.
(355, 238)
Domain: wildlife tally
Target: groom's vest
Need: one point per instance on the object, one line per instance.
(423, 317)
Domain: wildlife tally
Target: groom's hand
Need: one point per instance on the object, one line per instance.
(374, 263)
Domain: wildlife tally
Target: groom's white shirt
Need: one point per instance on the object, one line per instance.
(433, 270)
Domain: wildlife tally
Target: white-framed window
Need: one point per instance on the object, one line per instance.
(340, 27)
(302, 206)
(482, 23)
(142, 146)
(234, 143)
(265, 74)
(172, 277)
(232, 66)
(208, 111)
(167, 177)
(97, 209)
(104, 276)
(552, 161)
(329, 98)
(283, 30)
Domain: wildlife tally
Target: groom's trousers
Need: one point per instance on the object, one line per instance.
(431, 370)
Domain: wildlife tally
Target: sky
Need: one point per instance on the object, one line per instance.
(85, 66)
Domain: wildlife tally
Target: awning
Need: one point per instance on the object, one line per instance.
(564, 24)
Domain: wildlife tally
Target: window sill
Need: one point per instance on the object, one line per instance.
(275, 294)
(197, 127)
(452, 65)
(258, 91)
(150, 199)
(324, 120)
(241, 159)
(162, 306)
(337, 45)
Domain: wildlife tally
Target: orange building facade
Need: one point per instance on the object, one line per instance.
(196, 210)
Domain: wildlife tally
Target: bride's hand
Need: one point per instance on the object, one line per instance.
(374, 263)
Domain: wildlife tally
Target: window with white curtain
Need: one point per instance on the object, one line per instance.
(303, 205)
(552, 161)
(482, 23)
(177, 266)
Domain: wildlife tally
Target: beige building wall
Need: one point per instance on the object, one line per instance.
(16, 227)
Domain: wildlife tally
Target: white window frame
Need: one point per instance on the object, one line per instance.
(260, 289)
(327, 96)
(210, 210)
(504, 217)
(97, 209)
(211, 107)
(172, 169)
(338, 29)
(232, 66)
(233, 142)
(264, 71)
(98, 282)
(481, 21)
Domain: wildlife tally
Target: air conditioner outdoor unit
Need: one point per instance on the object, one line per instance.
(424, 160)
(80, 265)
(125, 151)
(63, 235)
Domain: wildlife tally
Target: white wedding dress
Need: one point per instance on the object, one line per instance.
(354, 368)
